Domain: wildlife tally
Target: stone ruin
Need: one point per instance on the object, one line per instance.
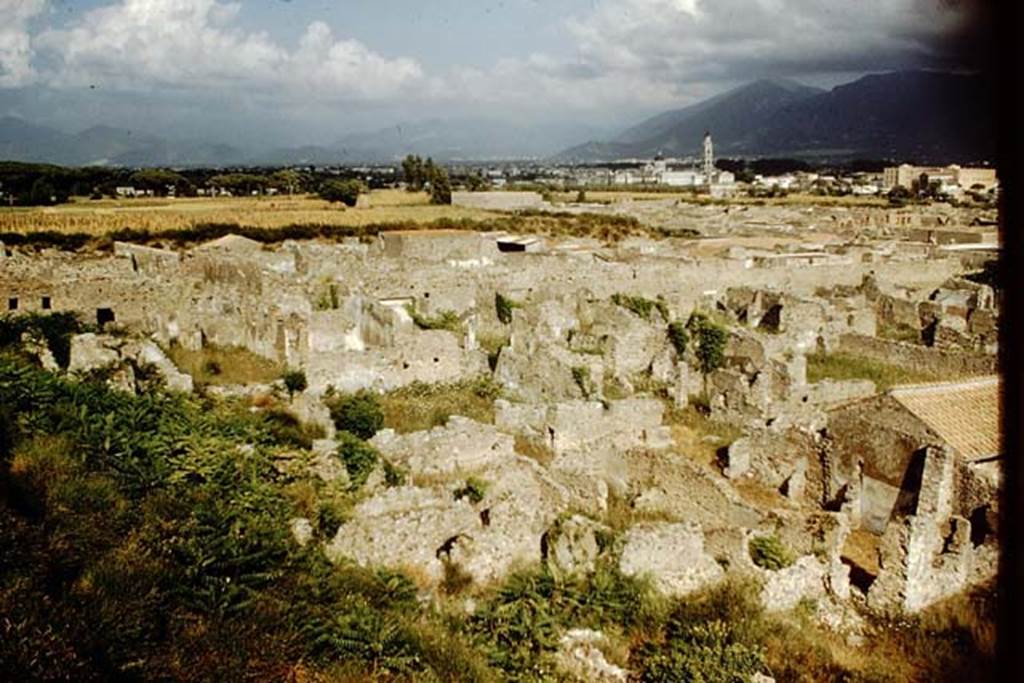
(591, 384)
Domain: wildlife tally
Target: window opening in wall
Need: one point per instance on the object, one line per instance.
(104, 316)
(46, 303)
(12, 303)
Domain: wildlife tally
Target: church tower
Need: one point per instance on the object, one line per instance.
(709, 157)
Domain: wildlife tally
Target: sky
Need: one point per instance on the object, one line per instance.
(310, 71)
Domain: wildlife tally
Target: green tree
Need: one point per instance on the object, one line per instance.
(287, 180)
(43, 193)
(711, 340)
(345, 191)
(475, 182)
(413, 173)
(159, 182)
(440, 186)
(243, 183)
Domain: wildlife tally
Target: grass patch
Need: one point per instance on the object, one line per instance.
(222, 365)
(535, 449)
(900, 333)
(444, 320)
(419, 405)
(697, 436)
(641, 306)
(846, 366)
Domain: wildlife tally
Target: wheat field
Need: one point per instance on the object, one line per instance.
(95, 217)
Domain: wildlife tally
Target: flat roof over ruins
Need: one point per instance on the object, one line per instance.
(965, 414)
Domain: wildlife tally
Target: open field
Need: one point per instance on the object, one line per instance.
(386, 206)
(105, 215)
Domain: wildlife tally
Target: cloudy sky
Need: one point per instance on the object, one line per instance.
(307, 71)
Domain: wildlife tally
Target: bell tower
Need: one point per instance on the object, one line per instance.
(709, 157)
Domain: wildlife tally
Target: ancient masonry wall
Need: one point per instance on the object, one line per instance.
(922, 358)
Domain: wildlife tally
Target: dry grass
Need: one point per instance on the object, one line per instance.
(861, 548)
(101, 216)
(535, 449)
(420, 406)
(225, 365)
(698, 437)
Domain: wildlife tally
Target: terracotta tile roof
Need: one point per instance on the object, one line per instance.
(966, 415)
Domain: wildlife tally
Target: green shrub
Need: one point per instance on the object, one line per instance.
(641, 306)
(359, 413)
(678, 337)
(503, 307)
(294, 382)
(704, 652)
(285, 428)
(393, 475)
(345, 191)
(359, 457)
(474, 489)
(768, 552)
(444, 320)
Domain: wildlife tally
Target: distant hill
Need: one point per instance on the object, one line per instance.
(104, 145)
(915, 115)
(443, 139)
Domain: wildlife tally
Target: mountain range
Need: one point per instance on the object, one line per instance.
(911, 115)
(915, 115)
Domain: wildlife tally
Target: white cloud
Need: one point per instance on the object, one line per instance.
(193, 45)
(656, 53)
(625, 56)
(15, 41)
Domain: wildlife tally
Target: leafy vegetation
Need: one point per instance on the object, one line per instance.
(294, 382)
(444, 320)
(146, 537)
(359, 414)
(768, 552)
(359, 457)
(56, 329)
(678, 337)
(711, 340)
(503, 307)
(642, 307)
(474, 489)
(342, 191)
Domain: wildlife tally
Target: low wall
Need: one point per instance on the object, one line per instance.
(938, 361)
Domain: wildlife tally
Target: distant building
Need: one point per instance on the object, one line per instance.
(904, 175)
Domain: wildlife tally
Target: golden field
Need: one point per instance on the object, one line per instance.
(104, 215)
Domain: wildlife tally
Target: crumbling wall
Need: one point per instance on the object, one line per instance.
(929, 556)
(943, 362)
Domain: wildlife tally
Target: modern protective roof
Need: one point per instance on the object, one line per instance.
(965, 414)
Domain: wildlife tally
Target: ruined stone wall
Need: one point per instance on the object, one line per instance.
(921, 358)
(875, 453)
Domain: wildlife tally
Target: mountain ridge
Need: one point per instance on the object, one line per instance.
(920, 115)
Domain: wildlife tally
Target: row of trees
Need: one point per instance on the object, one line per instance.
(419, 175)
